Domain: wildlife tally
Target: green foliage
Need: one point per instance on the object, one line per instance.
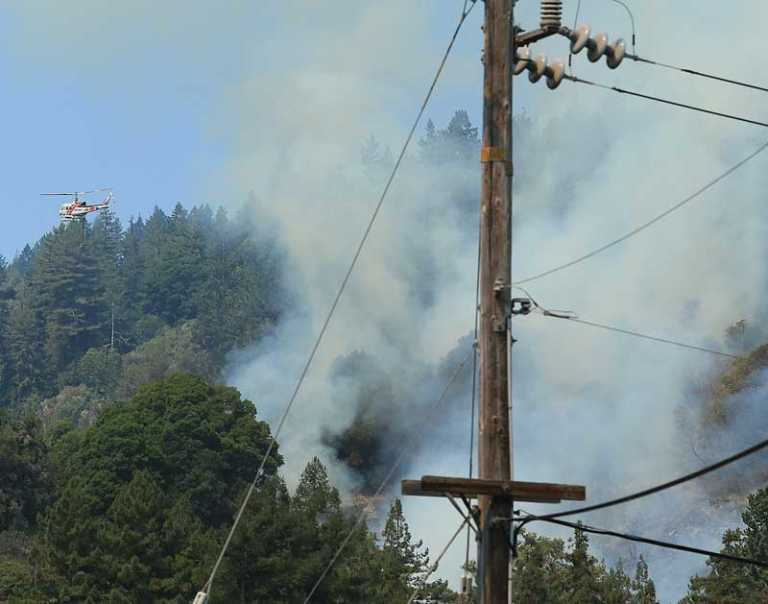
(83, 289)
(69, 292)
(548, 572)
(264, 563)
(405, 566)
(77, 406)
(173, 350)
(322, 527)
(25, 348)
(458, 142)
(99, 369)
(404, 560)
(145, 490)
(24, 487)
(644, 590)
(731, 582)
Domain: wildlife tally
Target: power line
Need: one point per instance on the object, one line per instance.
(655, 489)
(474, 390)
(575, 22)
(405, 449)
(657, 99)
(636, 334)
(665, 544)
(695, 72)
(570, 316)
(464, 14)
(651, 222)
(434, 566)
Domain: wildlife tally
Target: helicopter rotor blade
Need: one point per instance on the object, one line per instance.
(94, 191)
(79, 192)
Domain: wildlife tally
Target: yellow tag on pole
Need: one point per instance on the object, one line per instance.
(489, 154)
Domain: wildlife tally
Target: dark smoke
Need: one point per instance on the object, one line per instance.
(392, 412)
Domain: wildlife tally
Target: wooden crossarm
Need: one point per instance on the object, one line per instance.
(540, 492)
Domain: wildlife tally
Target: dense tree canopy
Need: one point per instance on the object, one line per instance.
(122, 465)
(24, 472)
(165, 289)
(730, 582)
(549, 571)
(143, 499)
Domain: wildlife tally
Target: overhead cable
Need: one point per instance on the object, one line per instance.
(568, 315)
(657, 99)
(651, 222)
(464, 14)
(636, 334)
(637, 539)
(405, 449)
(467, 517)
(474, 390)
(695, 72)
(655, 489)
(575, 22)
(433, 568)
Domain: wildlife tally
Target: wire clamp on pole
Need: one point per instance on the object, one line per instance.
(521, 306)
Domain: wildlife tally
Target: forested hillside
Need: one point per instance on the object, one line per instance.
(91, 312)
(135, 508)
(123, 458)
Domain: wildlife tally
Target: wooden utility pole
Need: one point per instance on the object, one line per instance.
(494, 489)
(495, 273)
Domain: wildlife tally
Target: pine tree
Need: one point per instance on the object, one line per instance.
(176, 275)
(403, 560)
(316, 509)
(106, 245)
(458, 142)
(24, 490)
(25, 347)
(539, 574)
(730, 582)
(132, 276)
(6, 293)
(315, 498)
(264, 563)
(643, 588)
(615, 585)
(581, 579)
(22, 264)
(237, 301)
(70, 295)
(133, 539)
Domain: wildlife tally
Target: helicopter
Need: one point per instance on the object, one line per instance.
(78, 209)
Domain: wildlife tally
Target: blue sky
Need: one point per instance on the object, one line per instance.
(139, 97)
(88, 102)
(131, 98)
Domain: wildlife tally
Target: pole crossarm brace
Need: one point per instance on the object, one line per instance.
(472, 488)
(524, 38)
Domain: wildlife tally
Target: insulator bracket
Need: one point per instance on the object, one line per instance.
(520, 306)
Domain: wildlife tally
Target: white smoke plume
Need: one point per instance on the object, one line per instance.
(590, 407)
